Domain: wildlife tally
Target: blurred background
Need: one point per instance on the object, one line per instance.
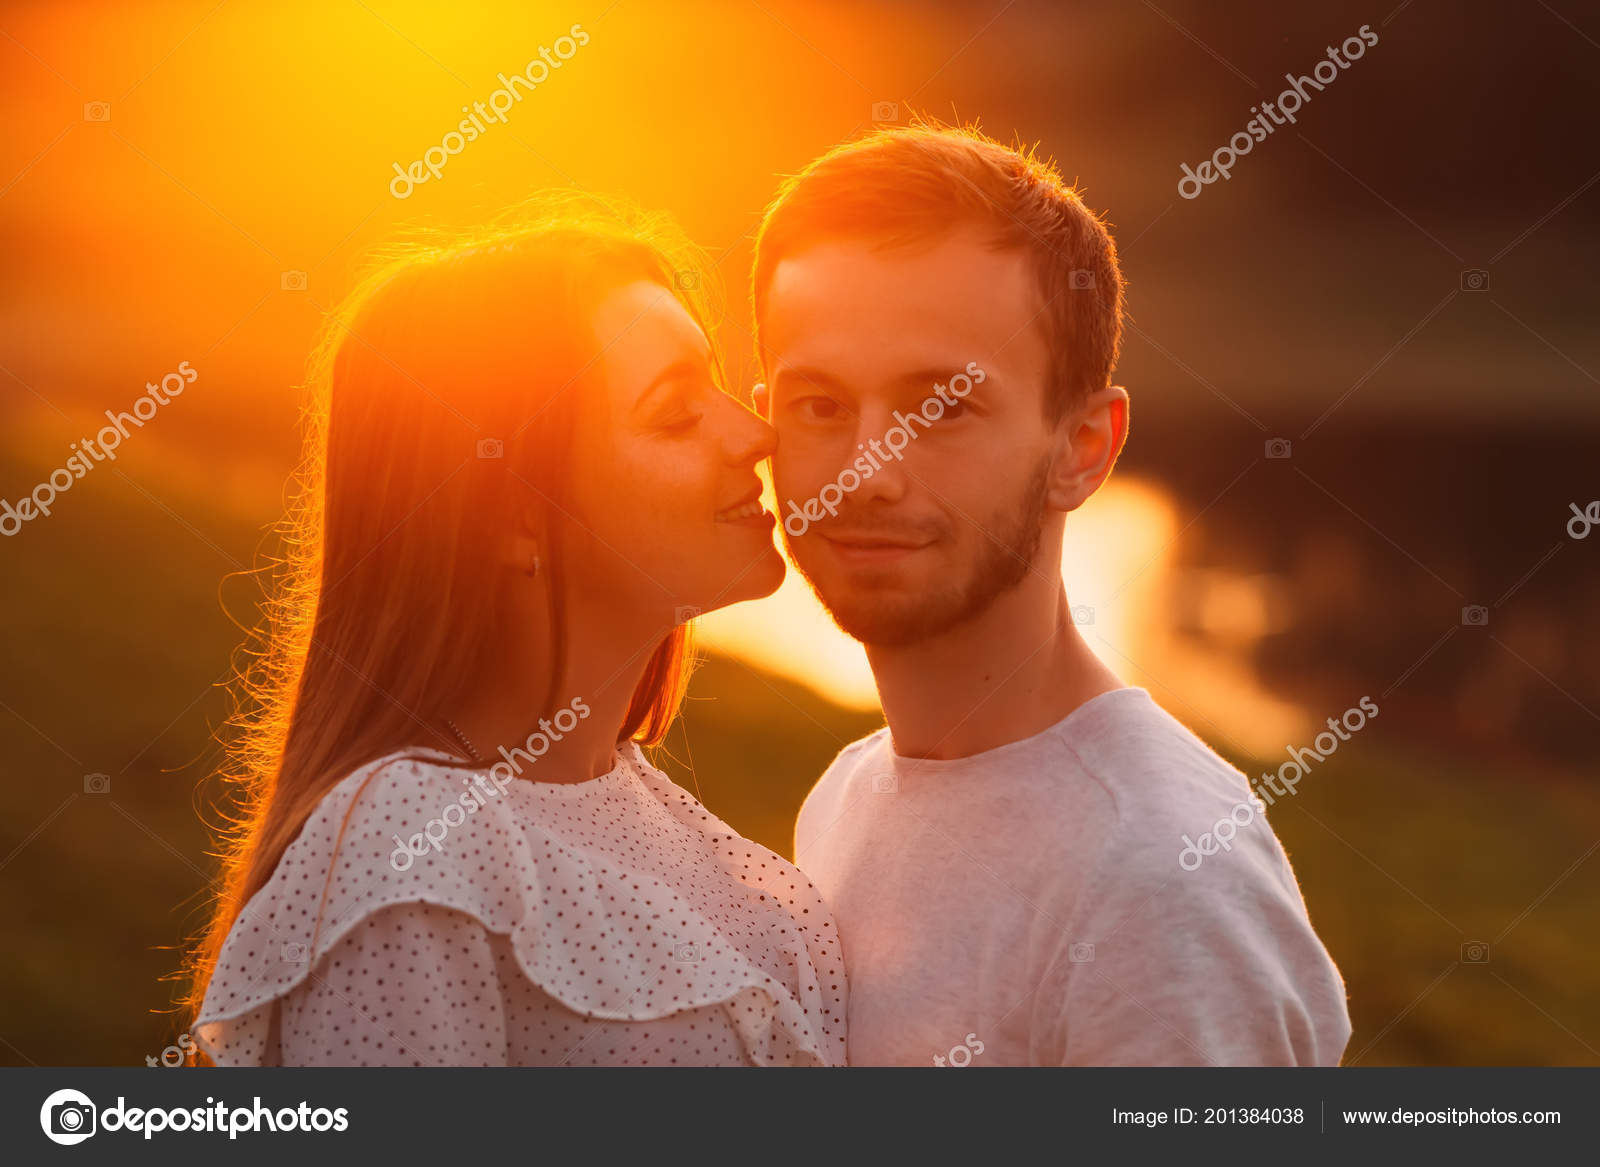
(1366, 420)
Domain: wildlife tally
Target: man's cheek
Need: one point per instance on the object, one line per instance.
(797, 474)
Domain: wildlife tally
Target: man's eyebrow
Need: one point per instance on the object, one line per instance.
(916, 379)
(929, 377)
(818, 378)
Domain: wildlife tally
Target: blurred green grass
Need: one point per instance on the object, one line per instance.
(115, 638)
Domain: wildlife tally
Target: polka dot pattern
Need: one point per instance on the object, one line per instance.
(608, 922)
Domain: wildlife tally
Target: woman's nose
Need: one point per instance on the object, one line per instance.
(750, 439)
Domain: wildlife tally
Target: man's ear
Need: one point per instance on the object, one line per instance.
(1088, 441)
(763, 401)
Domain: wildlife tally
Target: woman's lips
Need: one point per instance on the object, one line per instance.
(747, 509)
(750, 513)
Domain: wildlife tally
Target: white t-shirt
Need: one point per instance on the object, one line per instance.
(609, 922)
(1032, 904)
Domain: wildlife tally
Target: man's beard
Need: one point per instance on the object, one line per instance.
(1008, 544)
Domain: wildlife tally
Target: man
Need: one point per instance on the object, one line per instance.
(938, 318)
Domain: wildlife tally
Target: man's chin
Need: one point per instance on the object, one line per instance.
(882, 634)
(886, 609)
(881, 621)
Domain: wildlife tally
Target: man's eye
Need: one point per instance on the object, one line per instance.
(818, 408)
(958, 410)
(681, 425)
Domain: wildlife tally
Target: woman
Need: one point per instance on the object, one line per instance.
(523, 476)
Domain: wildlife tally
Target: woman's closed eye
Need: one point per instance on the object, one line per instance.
(680, 423)
(679, 413)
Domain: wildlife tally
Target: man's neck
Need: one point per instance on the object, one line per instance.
(1009, 673)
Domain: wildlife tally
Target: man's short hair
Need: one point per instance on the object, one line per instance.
(910, 185)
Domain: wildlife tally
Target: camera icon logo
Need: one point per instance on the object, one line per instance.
(1475, 616)
(687, 280)
(885, 783)
(97, 783)
(1082, 614)
(1474, 952)
(491, 448)
(294, 952)
(1278, 447)
(1081, 280)
(293, 281)
(67, 1117)
(1474, 279)
(684, 613)
(1081, 953)
(686, 953)
(886, 111)
(97, 111)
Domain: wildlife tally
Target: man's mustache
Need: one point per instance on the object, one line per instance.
(870, 527)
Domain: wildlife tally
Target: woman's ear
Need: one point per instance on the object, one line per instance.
(1087, 443)
(522, 554)
(520, 548)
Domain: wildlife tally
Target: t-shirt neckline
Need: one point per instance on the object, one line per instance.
(987, 757)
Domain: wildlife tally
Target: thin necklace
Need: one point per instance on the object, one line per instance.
(462, 738)
(467, 742)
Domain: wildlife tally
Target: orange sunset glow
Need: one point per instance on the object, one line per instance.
(428, 473)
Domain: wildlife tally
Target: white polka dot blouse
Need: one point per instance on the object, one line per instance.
(609, 922)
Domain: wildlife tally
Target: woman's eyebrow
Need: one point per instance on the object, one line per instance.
(681, 369)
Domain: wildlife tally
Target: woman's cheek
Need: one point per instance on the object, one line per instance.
(665, 492)
(687, 475)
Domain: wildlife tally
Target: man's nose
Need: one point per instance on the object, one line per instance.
(884, 477)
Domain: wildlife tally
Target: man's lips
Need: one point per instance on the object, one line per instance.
(854, 539)
(862, 547)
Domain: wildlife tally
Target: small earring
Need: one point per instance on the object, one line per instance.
(533, 568)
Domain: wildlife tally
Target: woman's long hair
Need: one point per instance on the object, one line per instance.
(443, 396)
